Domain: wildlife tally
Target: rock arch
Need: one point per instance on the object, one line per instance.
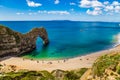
(38, 32)
(15, 43)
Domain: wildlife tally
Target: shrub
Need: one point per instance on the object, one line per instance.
(118, 69)
(105, 62)
(70, 75)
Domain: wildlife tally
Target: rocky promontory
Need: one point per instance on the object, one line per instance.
(15, 43)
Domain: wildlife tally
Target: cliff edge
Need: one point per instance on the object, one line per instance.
(15, 43)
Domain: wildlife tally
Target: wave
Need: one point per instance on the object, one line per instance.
(117, 40)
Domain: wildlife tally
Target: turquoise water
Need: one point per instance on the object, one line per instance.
(69, 38)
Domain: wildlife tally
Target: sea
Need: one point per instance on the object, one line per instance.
(69, 39)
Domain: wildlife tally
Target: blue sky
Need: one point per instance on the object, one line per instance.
(76, 10)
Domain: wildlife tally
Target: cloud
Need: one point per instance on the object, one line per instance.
(44, 11)
(96, 11)
(54, 12)
(58, 12)
(19, 13)
(117, 9)
(90, 3)
(32, 13)
(56, 2)
(109, 8)
(100, 7)
(115, 3)
(113, 7)
(33, 4)
(72, 3)
(106, 3)
(94, 4)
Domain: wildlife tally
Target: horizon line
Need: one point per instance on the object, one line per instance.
(64, 20)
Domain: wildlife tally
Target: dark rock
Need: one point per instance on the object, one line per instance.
(15, 43)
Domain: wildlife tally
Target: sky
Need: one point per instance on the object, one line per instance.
(75, 10)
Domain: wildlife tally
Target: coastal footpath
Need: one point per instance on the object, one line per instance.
(14, 43)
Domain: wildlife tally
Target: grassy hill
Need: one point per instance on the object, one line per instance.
(106, 67)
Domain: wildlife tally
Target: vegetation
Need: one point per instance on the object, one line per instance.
(44, 75)
(29, 75)
(118, 69)
(104, 67)
(105, 62)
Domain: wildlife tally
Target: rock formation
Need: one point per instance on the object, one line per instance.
(15, 43)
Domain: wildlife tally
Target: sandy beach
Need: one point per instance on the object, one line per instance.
(85, 61)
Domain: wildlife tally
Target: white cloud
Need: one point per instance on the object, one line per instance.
(97, 8)
(85, 3)
(58, 12)
(19, 13)
(72, 4)
(115, 3)
(113, 7)
(117, 9)
(88, 3)
(100, 7)
(33, 4)
(54, 12)
(106, 3)
(95, 4)
(44, 11)
(32, 13)
(96, 11)
(109, 8)
(56, 2)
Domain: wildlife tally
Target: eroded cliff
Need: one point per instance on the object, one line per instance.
(15, 43)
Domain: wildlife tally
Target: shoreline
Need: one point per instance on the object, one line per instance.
(85, 61)
(116, 37)
(62, 58)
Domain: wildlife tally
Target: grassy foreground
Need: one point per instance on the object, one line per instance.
(106, 67)
(44, 75)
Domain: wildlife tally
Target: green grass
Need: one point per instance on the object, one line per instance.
(118, 69)
(43, 75)
(75, 74)
(29, 75)
(104, 62)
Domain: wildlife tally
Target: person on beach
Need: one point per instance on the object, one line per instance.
(87, 58)
(49, 62)
(37, 61)
(23, 59)
(64, 60)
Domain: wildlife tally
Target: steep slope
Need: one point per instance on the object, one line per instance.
(106, 67)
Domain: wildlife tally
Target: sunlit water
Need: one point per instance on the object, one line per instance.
(69, 38)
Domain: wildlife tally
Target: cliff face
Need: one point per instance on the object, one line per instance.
(15, 43)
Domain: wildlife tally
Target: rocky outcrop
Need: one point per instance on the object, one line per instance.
(15, 43)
